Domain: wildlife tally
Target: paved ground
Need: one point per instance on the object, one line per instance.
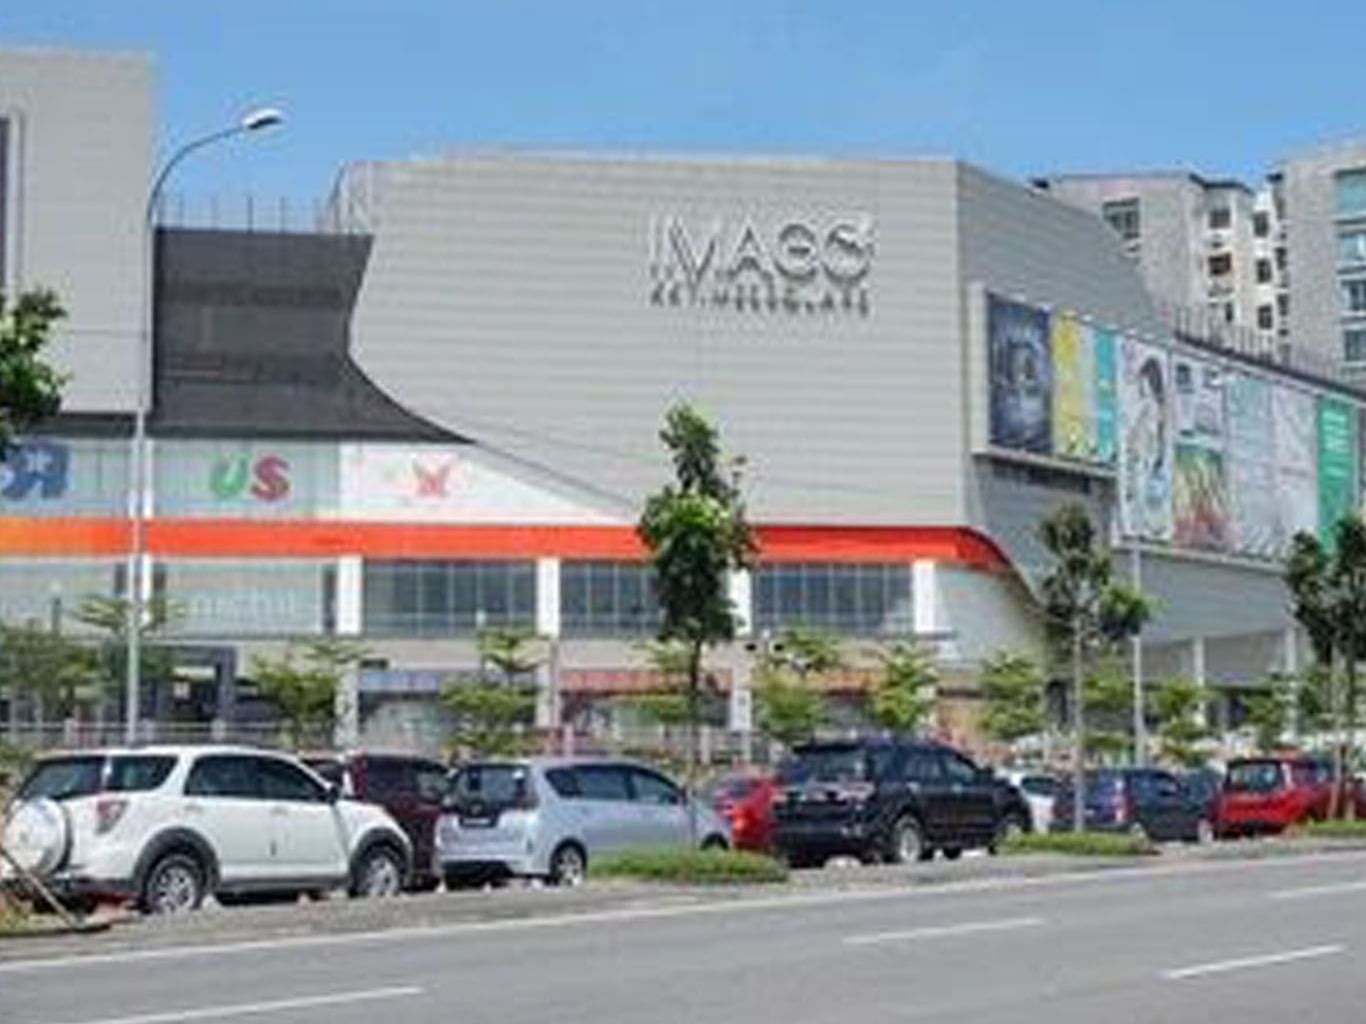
(1184, 940)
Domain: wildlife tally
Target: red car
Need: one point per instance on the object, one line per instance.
(1269, 794)
(746, 801)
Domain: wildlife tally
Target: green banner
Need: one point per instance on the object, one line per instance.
(1337, 435)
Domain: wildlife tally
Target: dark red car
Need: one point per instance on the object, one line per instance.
(410, 788)
(746, 801)
(1269, 794)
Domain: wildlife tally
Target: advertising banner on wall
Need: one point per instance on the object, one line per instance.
(1107, 399)
(239, 598)
(1337, 458)
(1074, 390)
(45, 476)
(1295, 429)
(1021, 377)
(1200, 500)
(1251, 462)
(455, 484)
(245, 479)
(1145, 401)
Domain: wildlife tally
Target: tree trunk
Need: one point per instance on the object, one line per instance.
(1339, 741)
(694, 692)
(1079, 737)
(1345, 780)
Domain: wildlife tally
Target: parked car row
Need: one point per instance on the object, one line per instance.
(166, 827)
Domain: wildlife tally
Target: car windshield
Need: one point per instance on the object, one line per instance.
(826, 764)
(491, 785)
(1253, 777)
(62, 778)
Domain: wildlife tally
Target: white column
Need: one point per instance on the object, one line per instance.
(926, 619)
(1198, 672)
(741, 590)
(347, 601)
(548, 626)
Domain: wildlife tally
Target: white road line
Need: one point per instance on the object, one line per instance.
(1317, 890)
(1222, 966)
(570, 919)
(255, 1009)
(944, 931)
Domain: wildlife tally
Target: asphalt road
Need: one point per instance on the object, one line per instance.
(1270, 941)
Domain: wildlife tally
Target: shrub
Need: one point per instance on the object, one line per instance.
(1080, 844)
(689, 866)
(1336, 828)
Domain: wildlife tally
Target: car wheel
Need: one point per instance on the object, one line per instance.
(568, 865)
(906, 844)
(715, 843)
(952, 852)
(379, 874)
(174, 885)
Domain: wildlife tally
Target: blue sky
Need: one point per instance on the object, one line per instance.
(1217, 86)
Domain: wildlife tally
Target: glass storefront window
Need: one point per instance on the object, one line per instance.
(847, 599)
(426, 598)
(607, 599)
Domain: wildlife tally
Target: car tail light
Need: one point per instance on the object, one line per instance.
(108, 812)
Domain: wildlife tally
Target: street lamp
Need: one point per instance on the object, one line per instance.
(253, 121)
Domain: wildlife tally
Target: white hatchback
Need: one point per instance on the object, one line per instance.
(167, 826)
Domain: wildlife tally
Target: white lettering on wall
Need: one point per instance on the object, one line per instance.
(802, 266)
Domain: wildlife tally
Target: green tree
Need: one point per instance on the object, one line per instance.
(1327, 585)
(1107, 697)
(30, 389)
(1086, 612)
(790, 709)
(55, 672)
(490, 719)
(807, 652)
(696, 533)
(108, 617)
(1014, 690)
(1269, 711)
(902, 695)
(1178, 705)
(305, 682)
(511, 650)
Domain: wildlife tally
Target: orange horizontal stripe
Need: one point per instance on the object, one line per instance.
(264, 538)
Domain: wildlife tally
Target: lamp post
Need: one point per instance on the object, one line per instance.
(253, 121)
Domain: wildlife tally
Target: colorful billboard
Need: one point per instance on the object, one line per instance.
(1337, 458)
(1251, 463)
(1074, 387)
(1145, 453)
(1107, 399)
(1200, 500)
(44, 476)
(245, 479)
(1021, 377)
(1293, 418)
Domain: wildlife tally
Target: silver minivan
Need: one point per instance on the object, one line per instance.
(547, 817)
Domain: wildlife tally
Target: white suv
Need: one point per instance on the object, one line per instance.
(165, 826)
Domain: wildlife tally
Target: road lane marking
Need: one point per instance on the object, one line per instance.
(256, 1009)
(570, 919)
(1308, 891)
(1222, 966)
(944, 931)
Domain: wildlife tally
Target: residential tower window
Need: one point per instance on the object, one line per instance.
(1354, 296)
(1350, 188)
(1266, 317)
(1220, 217)
(1261, 224)
(1354, 345)
(869, 600)
(1221, 264)
(1122, 215)
(1352, 247)
(421, 598)
(1264, 275)
(607, 599)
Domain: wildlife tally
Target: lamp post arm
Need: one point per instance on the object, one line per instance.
(176, 158)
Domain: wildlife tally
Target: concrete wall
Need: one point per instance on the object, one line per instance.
(81, 146)
(509, 298)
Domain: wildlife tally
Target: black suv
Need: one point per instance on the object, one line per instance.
(890, 800)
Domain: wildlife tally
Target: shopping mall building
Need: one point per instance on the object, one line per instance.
(441, 409)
